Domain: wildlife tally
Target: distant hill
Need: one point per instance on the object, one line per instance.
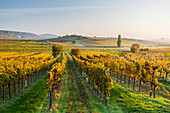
(24, 35)
(167, 40)
(45, 36)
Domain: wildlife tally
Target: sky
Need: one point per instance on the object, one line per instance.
(140, 19)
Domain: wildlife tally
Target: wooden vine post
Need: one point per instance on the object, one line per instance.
(3, 92)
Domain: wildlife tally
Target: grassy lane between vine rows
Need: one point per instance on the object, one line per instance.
(72, 101)
(97, 104)
(135, 102)
(44, 106)
(60, 103)
(86, 100)
(132, 101)
(11, 100)
(30, 100)
(63, 95)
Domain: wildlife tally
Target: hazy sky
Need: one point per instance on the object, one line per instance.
(143, 19)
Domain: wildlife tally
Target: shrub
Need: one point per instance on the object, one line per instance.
(166, 54)
(135, 48)
(75, 52)
(144, 49)
(74, 42)
(57, 50)
(144, 53)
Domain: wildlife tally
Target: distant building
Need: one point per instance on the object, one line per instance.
(19, 36)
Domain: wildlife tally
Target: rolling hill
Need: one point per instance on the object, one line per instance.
(100, 42)
(24, 35)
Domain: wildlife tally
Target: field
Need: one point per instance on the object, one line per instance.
(100, 42)
(101, 79)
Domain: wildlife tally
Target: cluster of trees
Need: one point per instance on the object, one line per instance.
(76, 52)
(135, 47)
(57, 50)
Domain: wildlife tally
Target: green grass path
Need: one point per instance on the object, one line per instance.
(78, 42)
(95, 103)
(30, 100)
(134, 102)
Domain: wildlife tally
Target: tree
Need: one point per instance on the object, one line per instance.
(135, 48)
(74, 42)
(75, 52)
(119, 41)
(56, 50)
